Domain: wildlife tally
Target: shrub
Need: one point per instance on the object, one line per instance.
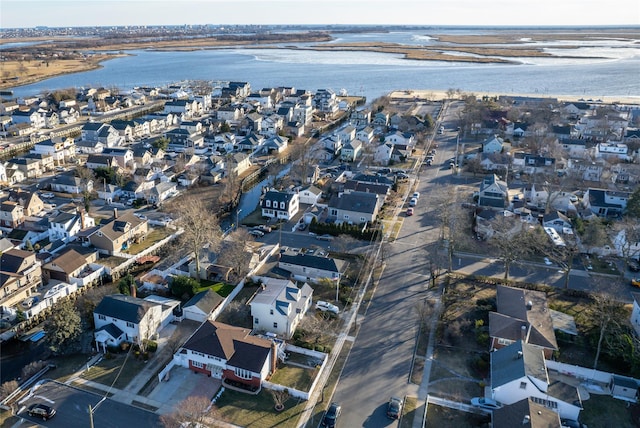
(151, 346)
(7, 388)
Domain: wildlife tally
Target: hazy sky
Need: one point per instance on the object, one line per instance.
(30, 13)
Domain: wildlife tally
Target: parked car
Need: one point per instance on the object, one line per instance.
(263, 228)
(140, 216)
(256, 233)
(633, 266)
(394, 407)
(48, 195)
(324, 237)
(416, 195)
(302, 226)
(331, 416)
(413, 202)
(29, 302)
(402, 177)
(635, 282)
(485, 403)
(409, 212)
(41, 411)
(321, 305)
(384, 171)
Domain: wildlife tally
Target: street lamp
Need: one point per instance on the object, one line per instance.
(238, 217)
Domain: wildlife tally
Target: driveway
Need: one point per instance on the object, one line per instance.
(183, 383)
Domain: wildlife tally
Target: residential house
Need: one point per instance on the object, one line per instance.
(229, 353)
(230, 114)
(309, 195)
(522, 315)
(380, 119)
(519, 371)
(397, 137)
(68, 265)
(383, 154)
(280, 205)
(279, 306)
(32, 168)
(20, 276)
(310, 268)
(574, 147)
(30, 117)
(202, 305)
(119, 318)
(238, 163)
(118, 233)
(66, 225)
(613, 151)
(162, 191)
(526, 413)
(605, 203)
(326, 102)
(62, 150)
(355, 207)
(100, 160)
(11, 214)
(69, 183)
(182, 139)
(493, 144)
(365, 135)
(102, 133)
(382, 189)
(124, 156)
(351, 150)
(29, 201)
(557, 221)
(361, 117)
(493, 192)
(276, 144)
(185, 108)
(272, 125)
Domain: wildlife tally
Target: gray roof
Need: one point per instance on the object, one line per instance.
(362, 202)
(512, 415)
(515, 362)
(316, 262)
(112, 329)
(126, 308)
(206, 301)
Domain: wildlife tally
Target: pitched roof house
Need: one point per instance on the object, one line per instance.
(519, 371)
(201, 306)
(522, 315)
(311, 268)
(280, 205)
(493, 192)
(279, 306)
(355, 207)
(526, 413)
(118, 233)
(229, 353)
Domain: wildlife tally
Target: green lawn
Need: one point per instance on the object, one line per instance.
(605, 411)
(299, 378)
(154, 236)
(219, 287)
(106, 371)
(258, 411)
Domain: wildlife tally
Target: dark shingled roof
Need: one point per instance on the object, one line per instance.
(126, 308)
(113, 330)
(515, 362)
(233, 344)
(513, 415)
(206, 301)
(324, 263)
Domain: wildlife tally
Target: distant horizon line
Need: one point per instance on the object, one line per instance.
(497, 26)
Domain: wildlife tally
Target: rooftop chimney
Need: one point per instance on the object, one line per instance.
(529, 305)
(115, 213)
(519, 354)
(523, 332)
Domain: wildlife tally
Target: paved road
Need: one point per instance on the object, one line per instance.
(72, 409)
(380, 361)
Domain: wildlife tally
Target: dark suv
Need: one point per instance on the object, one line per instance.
(41, 411)
(331, 416)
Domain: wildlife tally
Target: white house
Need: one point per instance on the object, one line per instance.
(279, 305)
(201, 306)
(519, 371)
(119, 318)
(493, 144)
(280, 205)
(311, 268)
(309, 195)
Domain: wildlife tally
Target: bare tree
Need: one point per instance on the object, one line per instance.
(511, 240)
(593, 234)
(606, 314)
(200, 228)
(235, 252)
(87, 178)
(627, 238)
(194, 411)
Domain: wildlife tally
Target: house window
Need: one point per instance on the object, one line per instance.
(271, 311)
(243, 374)
(275, 325)
(268, 203)
(346, 216)
(281, 205)
(102, 317)
(130, 325)
(197, 364)
(523, 385)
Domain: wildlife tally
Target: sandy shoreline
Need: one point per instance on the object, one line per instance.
(437, 94)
